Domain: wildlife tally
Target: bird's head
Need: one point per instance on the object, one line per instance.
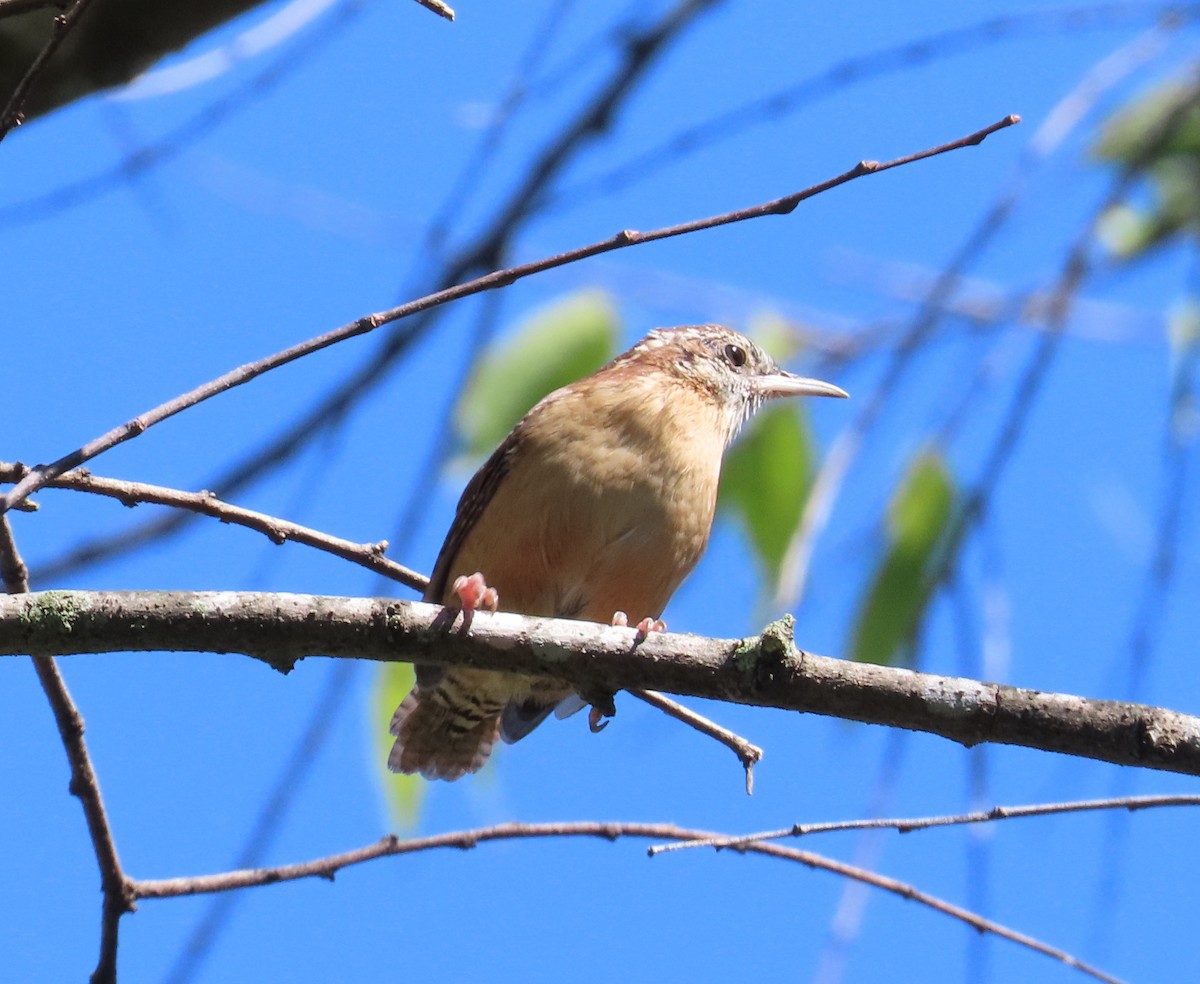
(723, 366)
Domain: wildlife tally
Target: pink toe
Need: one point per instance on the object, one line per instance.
(648, 625)
(473, 592)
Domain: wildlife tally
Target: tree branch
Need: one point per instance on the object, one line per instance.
(278, 531)
(439, 8)
(764, 671)
(906, 825)
(465, 839)
(41, 474)
(748, 754)
(12, 116)
(117, 888)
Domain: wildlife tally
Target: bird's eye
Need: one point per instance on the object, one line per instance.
(736, 355)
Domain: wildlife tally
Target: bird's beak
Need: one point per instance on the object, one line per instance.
(780, 383)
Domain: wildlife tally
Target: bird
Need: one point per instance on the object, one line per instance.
(599, 502)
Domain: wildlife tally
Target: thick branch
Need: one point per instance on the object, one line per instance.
(766, 671)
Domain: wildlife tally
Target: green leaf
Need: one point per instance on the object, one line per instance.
(780, 337)
(559, 344)
(403, 793)
(1127, 231)
(895, 602)
(1125, 136)
(766, 480)
(1173, 170)
(1183, 326)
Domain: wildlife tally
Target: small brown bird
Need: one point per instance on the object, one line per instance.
(598, 503)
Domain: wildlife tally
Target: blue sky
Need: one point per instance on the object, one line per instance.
(307, 206)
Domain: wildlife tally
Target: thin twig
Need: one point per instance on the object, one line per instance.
(834, 470)
(1075, 270)
(117, 888)
(747, 753)
(368, 555)
(11, 116)
(439, 8)
(42, 474)
(13, 573)
(909, 824)
(155, 154)
(328, 867)
(290, 781)
(637, 49)
(772, 107)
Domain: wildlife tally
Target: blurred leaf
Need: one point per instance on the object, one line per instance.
(766, 480)
(558, 345)
(403, 793)
(1126, 232)
(896, 599)
(1173, 170)
(1183, 326)
(780, 337)
(1124, 137)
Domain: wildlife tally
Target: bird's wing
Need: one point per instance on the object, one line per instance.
(471, 504)
(474, 500)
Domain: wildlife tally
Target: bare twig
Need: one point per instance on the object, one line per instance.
(747, 753)
(118, 897)
(638, 47)
(986, 305)
(909, 824)
(1074, 272)
(439, 8)
(11, 115)
(762, 671)
(329, 866)
(13, 573)
(41, 474)
(846, 448)
(368, 555)
(291, 778)
(1178, 441)
(842, 75)
(156, 153)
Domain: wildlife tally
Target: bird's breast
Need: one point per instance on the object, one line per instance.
(607, 505)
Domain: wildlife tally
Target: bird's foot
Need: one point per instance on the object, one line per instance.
(644, 627)
(603, 706)
(473, 593)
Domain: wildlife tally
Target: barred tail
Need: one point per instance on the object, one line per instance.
(445, 731)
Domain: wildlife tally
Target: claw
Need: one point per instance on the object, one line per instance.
(648, 625)
(473, 593)
(596, 720)
(644, 627)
